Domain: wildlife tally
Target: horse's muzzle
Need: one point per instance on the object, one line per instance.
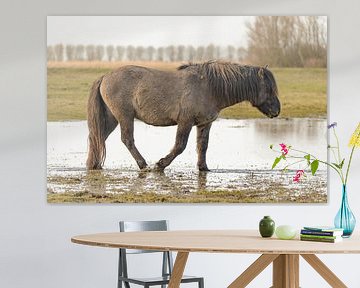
(271, 110)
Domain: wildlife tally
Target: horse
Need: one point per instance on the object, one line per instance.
(192, 95)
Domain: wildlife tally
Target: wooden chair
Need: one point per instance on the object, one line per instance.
(167, 262)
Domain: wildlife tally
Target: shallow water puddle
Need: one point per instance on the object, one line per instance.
(238, 155)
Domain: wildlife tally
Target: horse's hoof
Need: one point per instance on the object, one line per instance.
(145, 169)
(204, 169)
(158, 168)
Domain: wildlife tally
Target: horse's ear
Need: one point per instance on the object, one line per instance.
(261, 72)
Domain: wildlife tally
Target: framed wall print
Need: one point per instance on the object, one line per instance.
(184, 109)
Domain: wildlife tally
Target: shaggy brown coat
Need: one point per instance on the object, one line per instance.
(193, 95)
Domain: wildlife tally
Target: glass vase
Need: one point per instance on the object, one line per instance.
(345, 219)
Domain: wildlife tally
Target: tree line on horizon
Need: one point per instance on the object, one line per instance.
(169, 53)
(282, 41)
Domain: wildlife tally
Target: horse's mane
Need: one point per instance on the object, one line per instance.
(231, 80)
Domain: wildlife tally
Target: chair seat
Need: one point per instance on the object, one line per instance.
(158, 280)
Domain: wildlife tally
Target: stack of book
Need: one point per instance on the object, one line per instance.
(321, 234)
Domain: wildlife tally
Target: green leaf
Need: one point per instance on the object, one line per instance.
(339, 166)
(276, 161)
(271, 146)
(336, 165)
(314, 166)
(342, 164)
(307, 157)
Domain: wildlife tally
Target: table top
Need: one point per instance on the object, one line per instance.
(217, 241)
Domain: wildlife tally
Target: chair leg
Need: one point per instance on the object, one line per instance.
(201, 283)
(126, 284)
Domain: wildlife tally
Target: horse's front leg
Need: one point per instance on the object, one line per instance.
(203, 132)
(182, 136)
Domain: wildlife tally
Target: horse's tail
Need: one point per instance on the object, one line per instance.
(97, 124)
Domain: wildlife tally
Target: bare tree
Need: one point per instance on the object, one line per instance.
(130, 53)
(59, 52)
(50, 53)
(314, 51)
(263, 40)
(70, 52)
(170, 53)
(241, 54)
(210, 52)
(110, 52)
(150, 53)
(160, 54)
(180, 53)
(231, 53)
(287, 41)
(79, 52)
(120, 52)
(90, 52)
(218, 52)
(139, 53)
(200, 53)
(99, 52)
(191, 53)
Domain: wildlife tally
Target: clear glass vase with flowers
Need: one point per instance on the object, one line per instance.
(290, 156)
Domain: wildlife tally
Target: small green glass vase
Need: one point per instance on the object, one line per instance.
(266, 227)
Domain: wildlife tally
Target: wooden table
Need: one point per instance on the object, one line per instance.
(284, 254)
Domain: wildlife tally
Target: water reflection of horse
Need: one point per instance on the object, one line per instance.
(193, 95)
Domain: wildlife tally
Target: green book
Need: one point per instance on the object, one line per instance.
(319, 236)
(325, 240)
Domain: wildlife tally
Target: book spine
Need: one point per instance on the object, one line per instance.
(320, 233)
(318, 239)
(319, 236)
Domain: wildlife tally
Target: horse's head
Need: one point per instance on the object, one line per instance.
(267, 101)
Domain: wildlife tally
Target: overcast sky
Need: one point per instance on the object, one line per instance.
(148, 30)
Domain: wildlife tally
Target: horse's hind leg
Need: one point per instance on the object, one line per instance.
(127, 137)
(202, 145)
(182, 136)
(110, 124)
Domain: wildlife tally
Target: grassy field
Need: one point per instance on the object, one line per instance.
(302, 90)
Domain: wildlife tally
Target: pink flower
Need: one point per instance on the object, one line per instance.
(298, 175)
(284, 149)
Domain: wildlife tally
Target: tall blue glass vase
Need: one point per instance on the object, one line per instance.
(345, 219)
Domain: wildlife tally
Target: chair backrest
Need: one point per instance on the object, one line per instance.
(134, 226)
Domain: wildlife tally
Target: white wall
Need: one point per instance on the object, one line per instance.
(35, 248)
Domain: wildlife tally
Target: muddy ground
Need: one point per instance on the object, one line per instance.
(239, 158)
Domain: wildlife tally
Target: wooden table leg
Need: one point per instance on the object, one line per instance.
(286, 271)
(324, 271)
(253, 270)
(178, 270)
